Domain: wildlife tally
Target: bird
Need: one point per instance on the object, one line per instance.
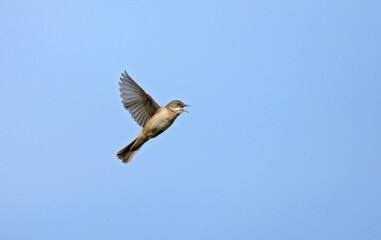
(147, 113)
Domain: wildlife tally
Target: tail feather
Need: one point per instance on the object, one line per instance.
(126, 154)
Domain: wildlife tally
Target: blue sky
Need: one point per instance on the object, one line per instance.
(283, 138)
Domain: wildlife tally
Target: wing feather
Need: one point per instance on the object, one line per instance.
(140, 105)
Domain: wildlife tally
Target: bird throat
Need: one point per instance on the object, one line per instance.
(177, 110)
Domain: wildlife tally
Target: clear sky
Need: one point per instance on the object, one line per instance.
(283, 138)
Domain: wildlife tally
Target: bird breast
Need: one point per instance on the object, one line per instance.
(159, 122)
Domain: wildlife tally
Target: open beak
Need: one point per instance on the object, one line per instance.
(186, 106)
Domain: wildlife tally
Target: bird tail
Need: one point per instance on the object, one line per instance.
(126, 154)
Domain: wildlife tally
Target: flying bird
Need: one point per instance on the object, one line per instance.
(147, 113)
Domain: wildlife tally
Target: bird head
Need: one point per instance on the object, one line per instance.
(177, 107)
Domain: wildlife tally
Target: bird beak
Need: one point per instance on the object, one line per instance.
(186, 106)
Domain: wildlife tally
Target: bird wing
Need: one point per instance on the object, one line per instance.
(140, 105)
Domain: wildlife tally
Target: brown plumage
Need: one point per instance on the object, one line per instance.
(147, 113)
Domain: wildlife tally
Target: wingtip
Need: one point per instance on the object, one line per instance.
(125, 74)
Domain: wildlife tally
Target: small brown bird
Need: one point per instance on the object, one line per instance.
(147, 113)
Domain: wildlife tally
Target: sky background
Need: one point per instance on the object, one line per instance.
(283, 138)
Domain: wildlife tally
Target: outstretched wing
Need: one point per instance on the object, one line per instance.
(140, 105)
